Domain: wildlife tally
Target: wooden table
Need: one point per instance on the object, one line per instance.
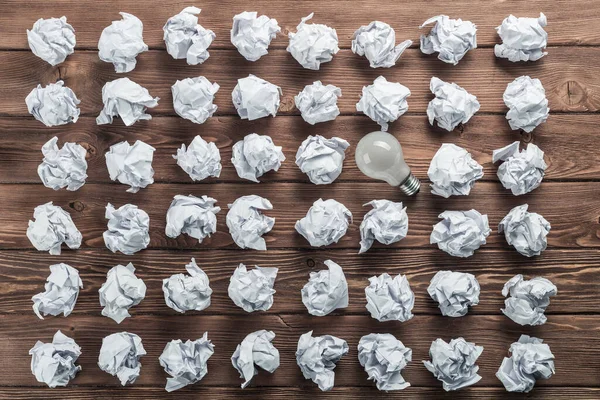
(569, 198)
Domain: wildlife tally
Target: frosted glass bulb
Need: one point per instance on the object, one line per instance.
(379, 156)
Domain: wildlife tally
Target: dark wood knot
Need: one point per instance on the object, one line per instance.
(91, 150)
(526, 137)
(77, 205)
(311, 263)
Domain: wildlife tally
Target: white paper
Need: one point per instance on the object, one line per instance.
(252, 35)
(193, 99)
(318, 102)
(390, 299)
(121, 291)
(252, 290)
(523, 39)
(521, 171)
(194, 216)
(125, 99)
(255, 349)
(128, 229)
(247, 223)
(131, 165)
(188, 292)
(452, 105)
(312, 44)
(451, 38)
(326, 290)
(527, 103)
(186, 362)
(61, 292)
(53, 105)
(383, 358)
(321, 159)
(121, 42)
(120, 356)
(200, 160)
(317, 358)
(256, 155)
(325, 222)
(255, 98)
(376, 42)
(52, 226)
(387, 223)
(383, 101)
(453, 172)
(530, 360)
(54, 363)
(460, 233)
(453, 363)
(454, 292)
(526, 231)
(51, 39)
(66, 167)
(528, 299)
(186, 39)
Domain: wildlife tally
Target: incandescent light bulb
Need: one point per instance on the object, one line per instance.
(379, 156)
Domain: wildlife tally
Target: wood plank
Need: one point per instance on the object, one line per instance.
(571, 207)
(346, 16)
(570, 75)
(575, 273)
(569, 154)
(202, 391)
(566, 336)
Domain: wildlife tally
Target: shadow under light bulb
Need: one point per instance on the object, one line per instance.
(379, 156)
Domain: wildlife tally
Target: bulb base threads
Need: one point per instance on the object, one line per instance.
(411, 185)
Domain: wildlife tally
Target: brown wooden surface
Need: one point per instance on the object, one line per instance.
(569, 198)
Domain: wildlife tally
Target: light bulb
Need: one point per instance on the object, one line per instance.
(379, 156)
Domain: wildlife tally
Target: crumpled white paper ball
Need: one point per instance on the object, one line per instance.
(125, 99)
(454, 292)
(527, 103)
(312, 44)
(252, 35)
(120, 356)
(523, 39)
(51, 39)
(193, 99)
(525, 231)
(527, 299)
(325, 222)
(53, 105)
(321, 159)
(185, 38)
(383, 358)
(376, 42)
(318, 102)
(52, 227)
(390, 299)
(387, 223)
(128, 229)
(247, 223)
(121, 291)
(121, 42)
(453, 172)
(451, 38)
(460, 233)
(255, 98)
(317, 357)
(521, 171)
(326, 290)
(61, 292)
(256, 155)
(383, 101)
(65, 167)
(452, 105)
(54, 363)
(255, 350)
(200, 160)
(131, 165)
(252, 290)
(187, 292)
(186, 362)
(453, 363)
(194, 216)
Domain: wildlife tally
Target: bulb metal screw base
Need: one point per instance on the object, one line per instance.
(411, 185)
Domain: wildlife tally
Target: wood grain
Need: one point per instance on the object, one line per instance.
(571, 207)
(571, 78)
(564, 334)
(89, 18)
(569, 154)
(23, 275)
